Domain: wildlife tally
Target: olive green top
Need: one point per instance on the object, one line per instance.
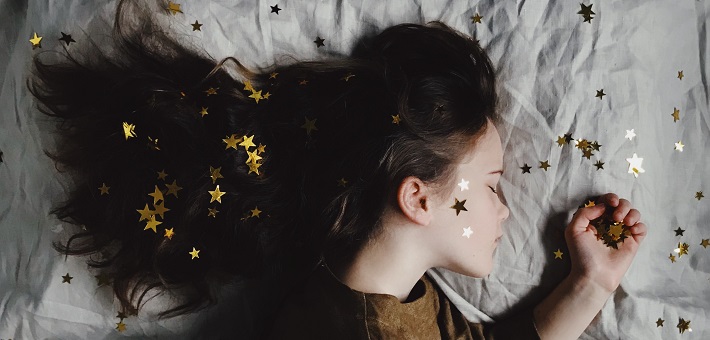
(326, 308)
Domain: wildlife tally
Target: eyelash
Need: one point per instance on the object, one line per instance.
(494, 190)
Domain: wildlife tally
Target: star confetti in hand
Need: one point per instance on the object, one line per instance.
(458, 206)
(395, 119)
(586, 13)
(162, 174)
(635, 165)
(610, 231)
(169, 233)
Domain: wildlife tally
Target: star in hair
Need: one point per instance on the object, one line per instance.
(173, 188)
(196, 26)
(36, 41)
(157, 195)
(630, 134)
(526, 168)
(679, 146)
(635, 164)
(169, 233)
(146, 213)
(129, 130)
(303, 82)
(255, 212)
(211, 91)
(467, 232)
(174, 8)
(319, 42)
(395, 119)
(215, 174)
(212, 212)
(275, 9)
(589, 204)
(680, 74)
(676, 115)
(544, 165)
(254, 167)
(459, 206)
(194, 253)
(463, 184)
(699, 195)
(152, 224)
(160, 209)
(232, 142)
(253, 157)
(104, 189)
(66, 38)
(67, 278)
(600, 94)
(476, 19)
(162, 174)
(247, 142)
(309, 125)
(216, 195)
(256, 95)
(558, 254)
(261, 148)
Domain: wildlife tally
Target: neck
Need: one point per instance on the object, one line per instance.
(392, 266)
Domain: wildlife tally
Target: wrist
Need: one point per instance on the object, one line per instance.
(590, 285)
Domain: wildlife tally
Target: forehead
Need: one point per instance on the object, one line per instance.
(487, 153)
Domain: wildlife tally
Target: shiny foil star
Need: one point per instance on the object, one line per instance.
(558, 254)
(196, 26)
(247, 142)
(526, 168)
(36, 41)
(169, 233)
(679, 146)
(67, 278)
(635, 164)
(194, 253)
(146, 213)
(676, 115)
(476, 19)
(66, 38)
(160, 209)
(680, 75)
(610, 232)
(256, 95)
(463, 184)
(211, 91)
(162, 174)
(682, 249)
(104, 189)
(600, 94)
(128, 130)
(173, 189)
(395, 119)
(699, 195)
(319, 42)
(544, 165)
(215, 174)
(561, 141)
(231, 142)
(102, 280)
(683, 325)
(589, 204)
(458, 206)
(152, 224)
(630, 134)
(659, 322)
(174, 8)
(467, 232)
(216, 195)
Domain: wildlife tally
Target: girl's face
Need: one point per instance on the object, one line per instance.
(465, 242)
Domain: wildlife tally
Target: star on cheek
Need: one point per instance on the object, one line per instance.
(467, 232)
(458, 206)
(463, 184)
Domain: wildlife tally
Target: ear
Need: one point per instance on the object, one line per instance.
(415, 200)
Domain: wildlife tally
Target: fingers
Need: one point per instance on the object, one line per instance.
(621, 210)
(610, 199)
(584, 215)
(632, 217)
(639, 231)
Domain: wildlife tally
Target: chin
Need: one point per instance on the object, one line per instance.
(478, 270)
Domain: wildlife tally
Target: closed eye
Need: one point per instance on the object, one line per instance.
(494, 190)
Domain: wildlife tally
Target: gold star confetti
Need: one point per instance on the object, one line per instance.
(120, 326)
(682, 249)
(680, 74)
(102, 280)
(66, 38)
(699, 195)
(255, 212)
(196, 26)
(347, 76)
(256, 95)
(152, 224)
(458, 205)
(395, 119)
(104, 189)
(273, 75)
(342, 182)
(261, 148)
(558, 254)
(195, 253)
(630, 134)
(679, 232)
(676, 115)
(309, 125)
(157, 195)
(476, 19)
(609, 231)
(169, 233)
(659, 322)
(212, 212)
(679, 146)
(561, 141)
(174, 8)
(253, 157)
(319, 42)
(254, 167)
(36, 41)
(671, 257)
(231, 142)
(586, 13)
(467, 232)
(303, 82)
(160, 209)
(705, 242)
(587, 154)
(211, 91)
(544, 165)
(247, 143)
(67, 278)
(153, 143)
(162, 174)
(173, 188)
(526, 168)
(635, 165)
(589, 204)
(214, 174)
(600, 94)
(145, 213)
(599, 164)
(216, 195)
(683, 325)
(463, 184)
(128, 130)
(203, 111)
(267, 95)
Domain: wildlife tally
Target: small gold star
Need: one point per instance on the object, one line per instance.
(266, 95)
(261, 148)
(680, 74)
(395, 119)
(162, 174)
(196, 26)
(152, 223)
(247, 142)
(254, 167)
(67, 278)
(231, 142)
(174, 8)
(679, 146)
(255, 212)
(599, 164)
(120, 326)
(544, 165)
(671, 257)
(203, 112)
(682, 249)
(683, 325)
(342, 182)
(476, 18)
(558, 254)
(589, 204)
(561, 141)
(129, 130)
(705, 242)
(211, 91)
(676, 115)
(104, 189)
(195, 253)
(173, 188)
(36, 41)
(256, 95)
(587, 154)
(145, 213)
(309, 125)
(273, 75)
(699, 195)
(600, 94)
(659, 322)
(216, 195)
(160, 209)
(459, 205)
(212, 212)
(169, 233)
(157, 195)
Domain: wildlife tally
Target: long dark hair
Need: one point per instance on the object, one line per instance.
(333, 139)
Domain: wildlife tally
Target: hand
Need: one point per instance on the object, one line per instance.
(592, 260)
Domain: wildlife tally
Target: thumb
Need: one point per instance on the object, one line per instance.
(580, 220)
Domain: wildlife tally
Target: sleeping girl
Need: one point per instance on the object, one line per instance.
(343, 180)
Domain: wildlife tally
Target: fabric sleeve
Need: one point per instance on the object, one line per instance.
(520, 327)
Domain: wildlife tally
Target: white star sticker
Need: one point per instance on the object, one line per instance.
(635, 165)
(463, 184)
(467, 232)
(679, 146)
(630, 134)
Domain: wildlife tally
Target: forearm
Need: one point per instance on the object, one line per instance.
(569, 309)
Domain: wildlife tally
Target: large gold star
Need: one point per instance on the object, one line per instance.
(160, 209)
(476, 18)
(104, 189)
(231, 142)
(157, 195)
(676, 115)
(247, 143)
(216, 195)
(395, 119)
(152, 223)
(544, 165)
(173, 188)
(459, 205)
(589, 204)
(558, 254)
(174, 8)
(214, 174)
(195, 253)
(129, 130)
(309, 125)
(145, 213)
